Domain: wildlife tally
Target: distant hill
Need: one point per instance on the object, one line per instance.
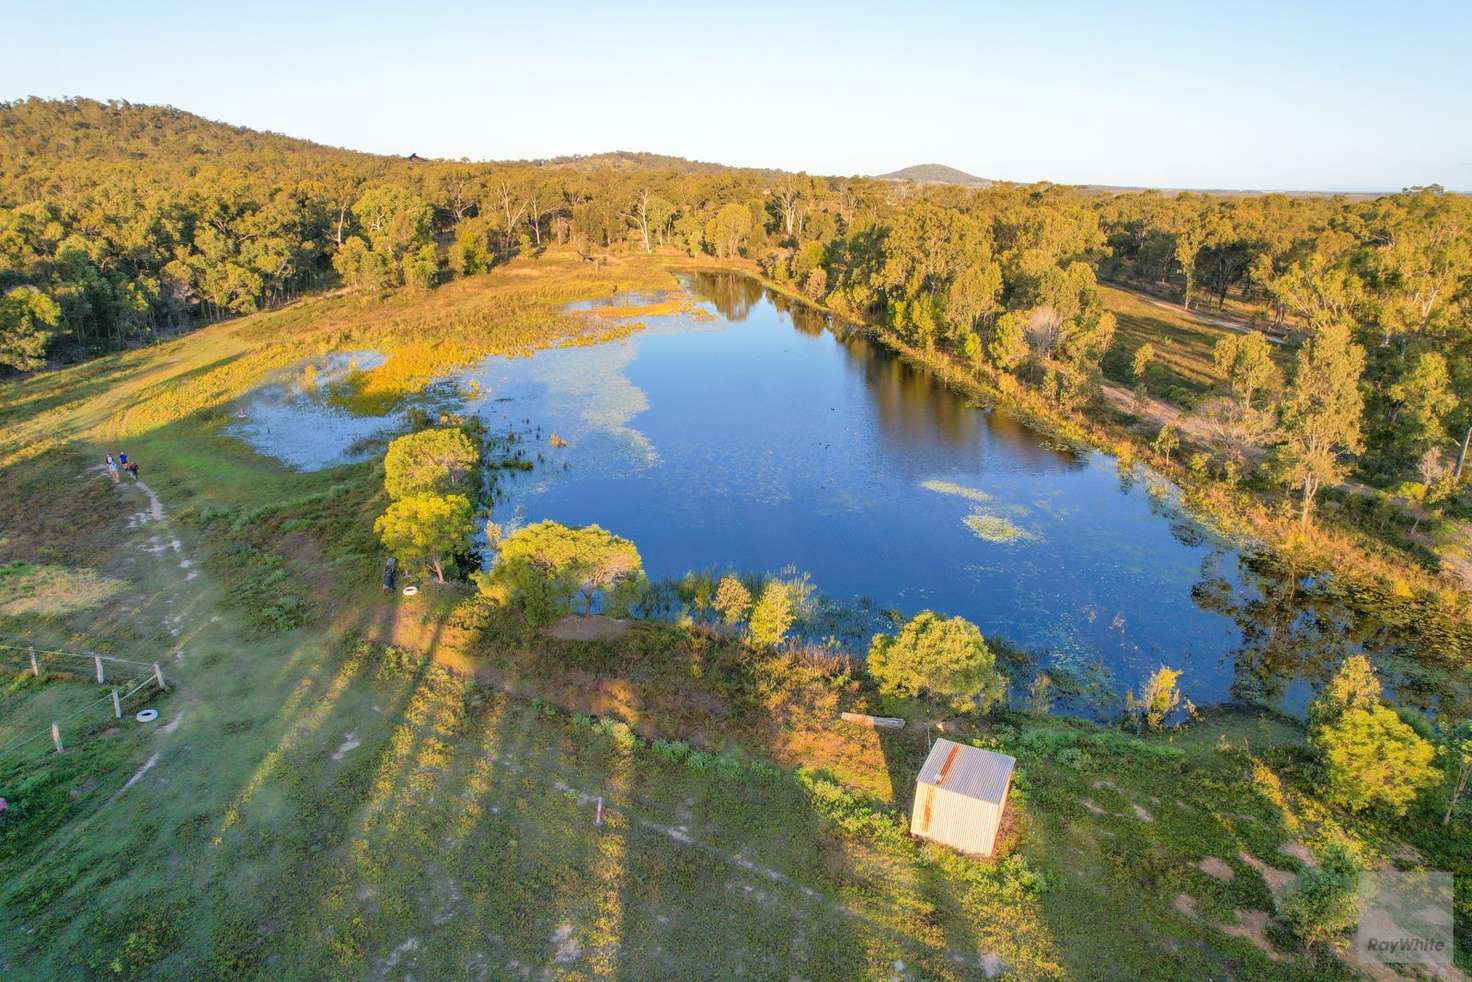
(37, 132)
(936, 174)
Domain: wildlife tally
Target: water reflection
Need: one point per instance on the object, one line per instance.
(1296, 627)
(733, 296)
(762, 439)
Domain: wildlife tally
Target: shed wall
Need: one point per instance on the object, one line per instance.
(955, 820)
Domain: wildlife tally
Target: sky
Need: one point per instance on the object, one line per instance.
(1286, 96)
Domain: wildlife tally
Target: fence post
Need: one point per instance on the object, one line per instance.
(56, 736)
(98, 660)
(158, 674)
(35, 668)
(117, 705)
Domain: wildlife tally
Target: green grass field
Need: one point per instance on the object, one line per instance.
(322, 798)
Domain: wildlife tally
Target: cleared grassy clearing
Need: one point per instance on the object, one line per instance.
(1183, 370)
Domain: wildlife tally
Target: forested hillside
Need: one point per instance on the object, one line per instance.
(119, 221)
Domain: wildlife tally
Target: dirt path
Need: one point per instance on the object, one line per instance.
(153, 537)
(1158, 413)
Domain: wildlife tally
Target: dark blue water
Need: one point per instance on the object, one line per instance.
(765, 439)
(758, 441)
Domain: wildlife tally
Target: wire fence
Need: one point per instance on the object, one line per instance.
(128, 682)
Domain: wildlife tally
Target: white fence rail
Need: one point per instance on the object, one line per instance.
(129, 680)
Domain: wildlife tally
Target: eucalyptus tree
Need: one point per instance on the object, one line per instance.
(1321, 414)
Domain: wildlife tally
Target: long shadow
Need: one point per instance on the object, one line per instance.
(95, 379)
(327, 796)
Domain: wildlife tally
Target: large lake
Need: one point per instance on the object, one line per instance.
(763, 439)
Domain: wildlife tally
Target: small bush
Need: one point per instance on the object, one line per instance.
(1074, 759)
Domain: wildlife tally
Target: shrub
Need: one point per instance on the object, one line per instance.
(1322, 902)
(947, 658)
(1158, 701)
(732, 600)
(1371, 755)
(1074, 759)
(771, 618)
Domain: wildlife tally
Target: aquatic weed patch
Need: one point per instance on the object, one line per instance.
(974, 495)
(995, 528)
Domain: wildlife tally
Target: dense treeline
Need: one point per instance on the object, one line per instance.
(1386, 282)
(118, 221)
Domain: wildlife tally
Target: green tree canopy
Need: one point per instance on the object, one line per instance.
(1371, 756)
(1321, 416)
(427, 528)
(422, 267)
(946, 658)
(772, 616)
(434, 461)
(27, 317)
(1422, 400)
(1140, 364)
(1247, 362)
(394, 219)
(547, 564)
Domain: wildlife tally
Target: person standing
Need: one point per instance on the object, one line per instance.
(112, 469)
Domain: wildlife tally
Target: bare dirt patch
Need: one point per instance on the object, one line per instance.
(1408, 855)
(1276, 879)
(575, 627)
(350, 742)
(1185, 904)
(1300, 852)
(1217, 868)
(567, 947)
(1253, 926)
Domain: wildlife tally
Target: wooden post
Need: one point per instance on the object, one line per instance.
(56, 736)
(35, 668)
(158, 674)
(117, 705)
(98, 660)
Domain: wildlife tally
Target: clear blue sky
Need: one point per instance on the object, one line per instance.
(1333, 96)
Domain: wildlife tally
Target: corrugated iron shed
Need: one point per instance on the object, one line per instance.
(960, 796)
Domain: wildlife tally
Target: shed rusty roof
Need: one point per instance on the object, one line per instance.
(968, 771)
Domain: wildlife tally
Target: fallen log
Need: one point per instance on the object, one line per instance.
(878, 722)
